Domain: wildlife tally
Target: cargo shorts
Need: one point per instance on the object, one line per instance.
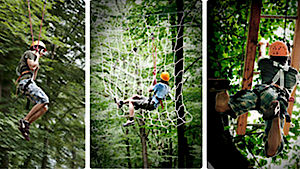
(257, 99)
(142, 102)
(33, 92)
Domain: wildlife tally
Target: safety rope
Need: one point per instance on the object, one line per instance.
(31, 30)
(284, 32)
(28, 2)
(41, 23)
(154, 59)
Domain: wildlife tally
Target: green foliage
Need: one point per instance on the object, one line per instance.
(228, 23)
(57, 138)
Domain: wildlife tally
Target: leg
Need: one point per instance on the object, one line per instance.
(37, 95)
(38, 113)
(240, 103)
(131, 102)
(131, 109)
(34, 110)
(274, 138)
(222, 100)
(132, 99)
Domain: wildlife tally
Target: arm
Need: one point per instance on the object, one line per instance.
(33, 63)
(35, 72)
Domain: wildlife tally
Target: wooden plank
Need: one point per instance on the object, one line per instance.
(278, 17)
(295, 63)
(250, 57)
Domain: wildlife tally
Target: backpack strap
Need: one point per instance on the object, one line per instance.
(23, 73)
(280, 74)
(160, 101)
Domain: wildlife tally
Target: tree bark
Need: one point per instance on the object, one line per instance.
(128, 150)
(182, 147)
(4, 160)
(45, 153)
(143, 136)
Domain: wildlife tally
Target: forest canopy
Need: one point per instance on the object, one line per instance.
(57, 138)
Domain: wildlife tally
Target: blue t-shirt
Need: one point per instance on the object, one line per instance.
(160, 90)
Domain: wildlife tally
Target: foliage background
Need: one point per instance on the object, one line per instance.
(57, 138)
(111, 144)
(226, 46)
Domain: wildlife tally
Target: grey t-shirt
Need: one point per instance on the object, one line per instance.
(23, 66)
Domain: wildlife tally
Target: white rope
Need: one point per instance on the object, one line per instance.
(125, 72)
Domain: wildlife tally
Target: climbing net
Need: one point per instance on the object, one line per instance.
(127, 49)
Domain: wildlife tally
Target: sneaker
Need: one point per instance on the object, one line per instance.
(273, 110)
(274, 140)
(222, 100)
(119, 103)
(24, 128)
(128, 123)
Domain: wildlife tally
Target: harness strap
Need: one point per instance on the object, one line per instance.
(160, 101)
(280, 74)
(23, 73)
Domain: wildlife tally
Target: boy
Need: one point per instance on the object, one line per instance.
(269, 98)
(27, 70)
(160, 90)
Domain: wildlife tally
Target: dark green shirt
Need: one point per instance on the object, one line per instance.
(268, 70)
(23, 66)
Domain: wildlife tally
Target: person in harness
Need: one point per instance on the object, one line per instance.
(136, 102)
(27, 71)
(269, 98)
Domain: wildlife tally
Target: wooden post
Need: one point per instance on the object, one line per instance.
(295, 63)
(250, 57)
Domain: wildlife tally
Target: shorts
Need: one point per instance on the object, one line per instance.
(33, 92)
(258, 99)
(142, 102)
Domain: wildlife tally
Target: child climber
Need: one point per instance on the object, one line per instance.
(27, 70)
(269, 98)
(160, 90)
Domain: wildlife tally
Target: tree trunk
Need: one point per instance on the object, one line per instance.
(45, 153)
(27, 161)
(73, 164)
(221, 151)
(170, 153)
(128, 149)
(143, 136)
(4, 160)
(178, 82)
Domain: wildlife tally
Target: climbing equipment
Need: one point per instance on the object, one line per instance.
(31, 30)
(154, 60)
(278, 48)
(165, 76)
(38, 44)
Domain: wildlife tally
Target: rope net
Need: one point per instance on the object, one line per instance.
(126, 51)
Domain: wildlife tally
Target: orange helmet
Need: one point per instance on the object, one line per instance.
(38, 43)
(165, 76)
(278, 48)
